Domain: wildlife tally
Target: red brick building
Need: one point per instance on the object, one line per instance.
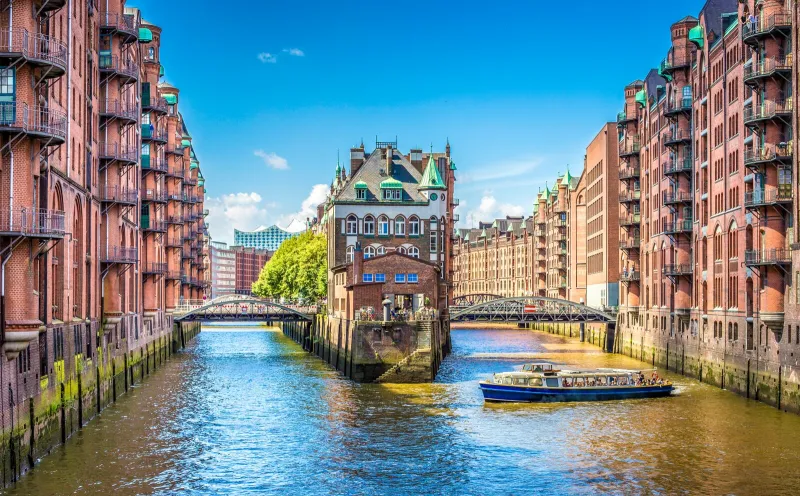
(249, 262)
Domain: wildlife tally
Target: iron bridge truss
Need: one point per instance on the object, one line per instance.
(530, 309)
(238, 310)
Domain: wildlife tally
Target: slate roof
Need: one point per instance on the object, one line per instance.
(653, 81)
(712, 15)
(370, 174)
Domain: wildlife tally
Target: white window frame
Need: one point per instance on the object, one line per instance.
(413, 225)
(383, 225)
(352, 222)
(369, 225)
(349, 254)
(413, 252)
(400, 226)
(369, 252)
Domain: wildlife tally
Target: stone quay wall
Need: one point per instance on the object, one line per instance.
(389, 352)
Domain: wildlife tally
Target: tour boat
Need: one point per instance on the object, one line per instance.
(541, 382)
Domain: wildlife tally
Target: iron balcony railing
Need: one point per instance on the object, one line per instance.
(189, 180)
(116, 65)
(771, 256)
(35, 222)
(768, 153)
(120, 254)
(119, 109)
(630, 173)
(677, 197)
(151, 133)
(768, 110)
(172, 274)
(155, 103)
(771, 196)
(677, 226)
(153, 195)
(676, 105)
(624, 117)
(630, 196)
(152, 225)
(629, 147)
(124, 23)
(676, 60)
(778, 22)
(154, 163)
(630, 220)
(767, 67)
(119, 194)
(173, 219)
(630, 244)
(155, 268)
(176, 149)
(35, 120)
(678, 165)
(117, 151)
(678, 270)
(174, 242)
(630, 275)
(676, 136)
(455, 202)
(175, 172)
(38, 49)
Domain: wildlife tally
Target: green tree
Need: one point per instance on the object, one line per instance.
(299, 269)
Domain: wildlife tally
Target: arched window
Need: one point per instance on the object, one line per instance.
(434, 222)
(352, 224)
(151, 53)
(414, 252)
(400, 226)
(383, 225)
(381, 250)
(348, 254)
(369, 252)
(718, 244)
(413, 226)
(369, 225)
(402, 250)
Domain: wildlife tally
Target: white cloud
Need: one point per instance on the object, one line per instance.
(272, 159)
(243, 211)
(266, 58)
(489, 209)
(308, 209)
(498, 171)
(295, 52)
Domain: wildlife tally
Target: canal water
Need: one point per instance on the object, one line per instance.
(244, 411)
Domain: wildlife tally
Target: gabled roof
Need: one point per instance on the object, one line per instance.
(431, 179)
(373, 172)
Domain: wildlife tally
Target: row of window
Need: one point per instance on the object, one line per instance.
(410, 278)
(372, 251)
(415, 226)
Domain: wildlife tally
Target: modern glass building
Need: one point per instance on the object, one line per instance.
(263, 238)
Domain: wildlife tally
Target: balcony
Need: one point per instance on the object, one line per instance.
(624, 118)
(38, 122)
(630, 244)
(676, 137)
(772, 256)
(113, 65)
(678, 198)
(629, 148)
(559, 236)
(32, 222)
(767, 111)
(122, 24)
(154, 104)
(149, 133)
(673, 62)
(151, 163)
(175, 172)
(120, 255)
(455, 202)
(678, 165)
(173, 219)
(780, 153)
(119, 152)
(173, 275)
(176, 150)
(121, 110)
(174, 242)
(630, 173)
(768, 197)
(119, 195)
(630, 220)
(149, 224)
(630, 196)
(677, 226)
(154, 196)
(677, 270)
(38, 50)
(630, 276)
(174, 196)
(154, 268)
(776, 24)
(678, 106)
(768, 68)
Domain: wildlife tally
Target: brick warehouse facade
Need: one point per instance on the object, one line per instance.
(709, 248)
(249, 262)
(101, 212)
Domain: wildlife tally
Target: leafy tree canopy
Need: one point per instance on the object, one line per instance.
(298, 270)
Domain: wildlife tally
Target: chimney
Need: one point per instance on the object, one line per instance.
(415, 157)
(389, 156)
(358, 262)
(356, 159)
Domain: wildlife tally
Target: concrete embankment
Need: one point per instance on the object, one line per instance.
(389, 352)
(41, 415)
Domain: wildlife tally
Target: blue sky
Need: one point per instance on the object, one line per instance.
(271, 90)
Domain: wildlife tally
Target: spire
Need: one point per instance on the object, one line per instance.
(431, 179)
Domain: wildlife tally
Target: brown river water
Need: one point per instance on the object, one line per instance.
(245, 411)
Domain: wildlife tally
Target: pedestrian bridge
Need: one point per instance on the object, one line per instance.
(522, 309)
(237, 308)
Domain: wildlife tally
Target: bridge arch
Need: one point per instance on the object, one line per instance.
(233, 309)
(530, 309)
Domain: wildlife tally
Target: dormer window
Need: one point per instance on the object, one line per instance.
(361, 194)
(391, 190)
(393, 194)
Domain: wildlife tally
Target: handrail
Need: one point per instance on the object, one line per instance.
(35, 119)
(34, 46)
(32, 221)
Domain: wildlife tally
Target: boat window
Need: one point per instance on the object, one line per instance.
(537, 368)
(537, 381)
(567, 382)
(507, 381)
(580, 382)
(601, 381)
(526, 368)
(521, 382)
(552, 382)
(590, 381)
(622, 381)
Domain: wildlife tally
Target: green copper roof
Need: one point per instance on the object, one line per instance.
(452, 165)
(160, 70)
(194, 164)
(171, 99)
(391, 183)
(567, 179)
(145, 35)
(483, 233)
(431, 179)
(696, 36)
(360, 185)
(186, 143)
(641, 98)
(201, 182)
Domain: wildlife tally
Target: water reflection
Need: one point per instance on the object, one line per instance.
(248, 412)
